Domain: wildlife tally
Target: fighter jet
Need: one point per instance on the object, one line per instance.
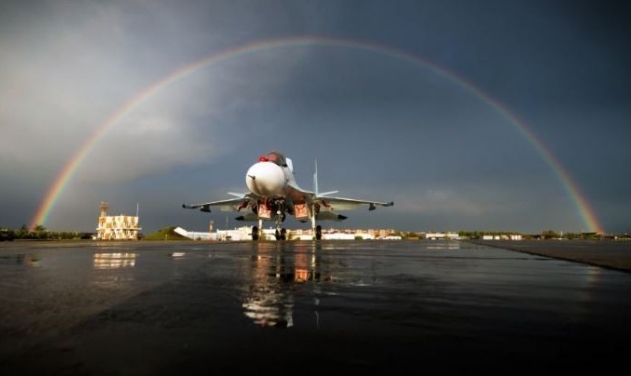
(274, 194)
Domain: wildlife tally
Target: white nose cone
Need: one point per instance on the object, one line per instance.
(265, 179)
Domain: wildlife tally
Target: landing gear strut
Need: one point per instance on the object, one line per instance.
(316, 230)
(280, 233)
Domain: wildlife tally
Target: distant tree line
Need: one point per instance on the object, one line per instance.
(41, 233)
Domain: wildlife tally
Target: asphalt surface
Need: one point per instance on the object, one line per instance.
(330, 307)
(607, 254)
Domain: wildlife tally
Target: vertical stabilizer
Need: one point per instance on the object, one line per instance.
(315, 184)
(315, 179)
(290, 164)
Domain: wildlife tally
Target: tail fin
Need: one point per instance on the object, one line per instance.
(315, 184)
(315, 179)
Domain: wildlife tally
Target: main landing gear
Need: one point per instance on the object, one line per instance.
(281, 235)
(279, 218)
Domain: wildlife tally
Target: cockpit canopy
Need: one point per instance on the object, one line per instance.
(275, 157)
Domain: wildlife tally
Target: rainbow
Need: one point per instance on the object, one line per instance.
(56, 189)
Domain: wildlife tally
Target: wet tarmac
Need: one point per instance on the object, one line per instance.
(607, 254)
(340, 307)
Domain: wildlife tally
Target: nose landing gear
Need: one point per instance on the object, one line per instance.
(278, 208)
(280, 233)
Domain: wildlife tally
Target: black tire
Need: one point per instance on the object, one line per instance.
(318, 233)
(283, 234)
(255, 233)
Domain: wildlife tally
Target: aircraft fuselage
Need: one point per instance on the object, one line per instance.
(267, 179)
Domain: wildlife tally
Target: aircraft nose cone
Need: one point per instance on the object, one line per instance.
(265, 179)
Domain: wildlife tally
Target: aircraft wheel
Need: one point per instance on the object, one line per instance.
(283, 234)
(318, 233)
(277, 235)
(255, 233)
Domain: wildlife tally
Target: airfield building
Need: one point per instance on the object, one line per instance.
(119, 227)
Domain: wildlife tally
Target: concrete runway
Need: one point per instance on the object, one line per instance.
(340, 307)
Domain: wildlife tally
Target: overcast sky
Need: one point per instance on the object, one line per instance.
(426, 103)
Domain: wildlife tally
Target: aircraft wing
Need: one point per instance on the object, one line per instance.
(334, 203)
(232, 204)
(340, 203)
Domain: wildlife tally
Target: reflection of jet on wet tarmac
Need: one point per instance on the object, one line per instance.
(30, 260)
(269, 300)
